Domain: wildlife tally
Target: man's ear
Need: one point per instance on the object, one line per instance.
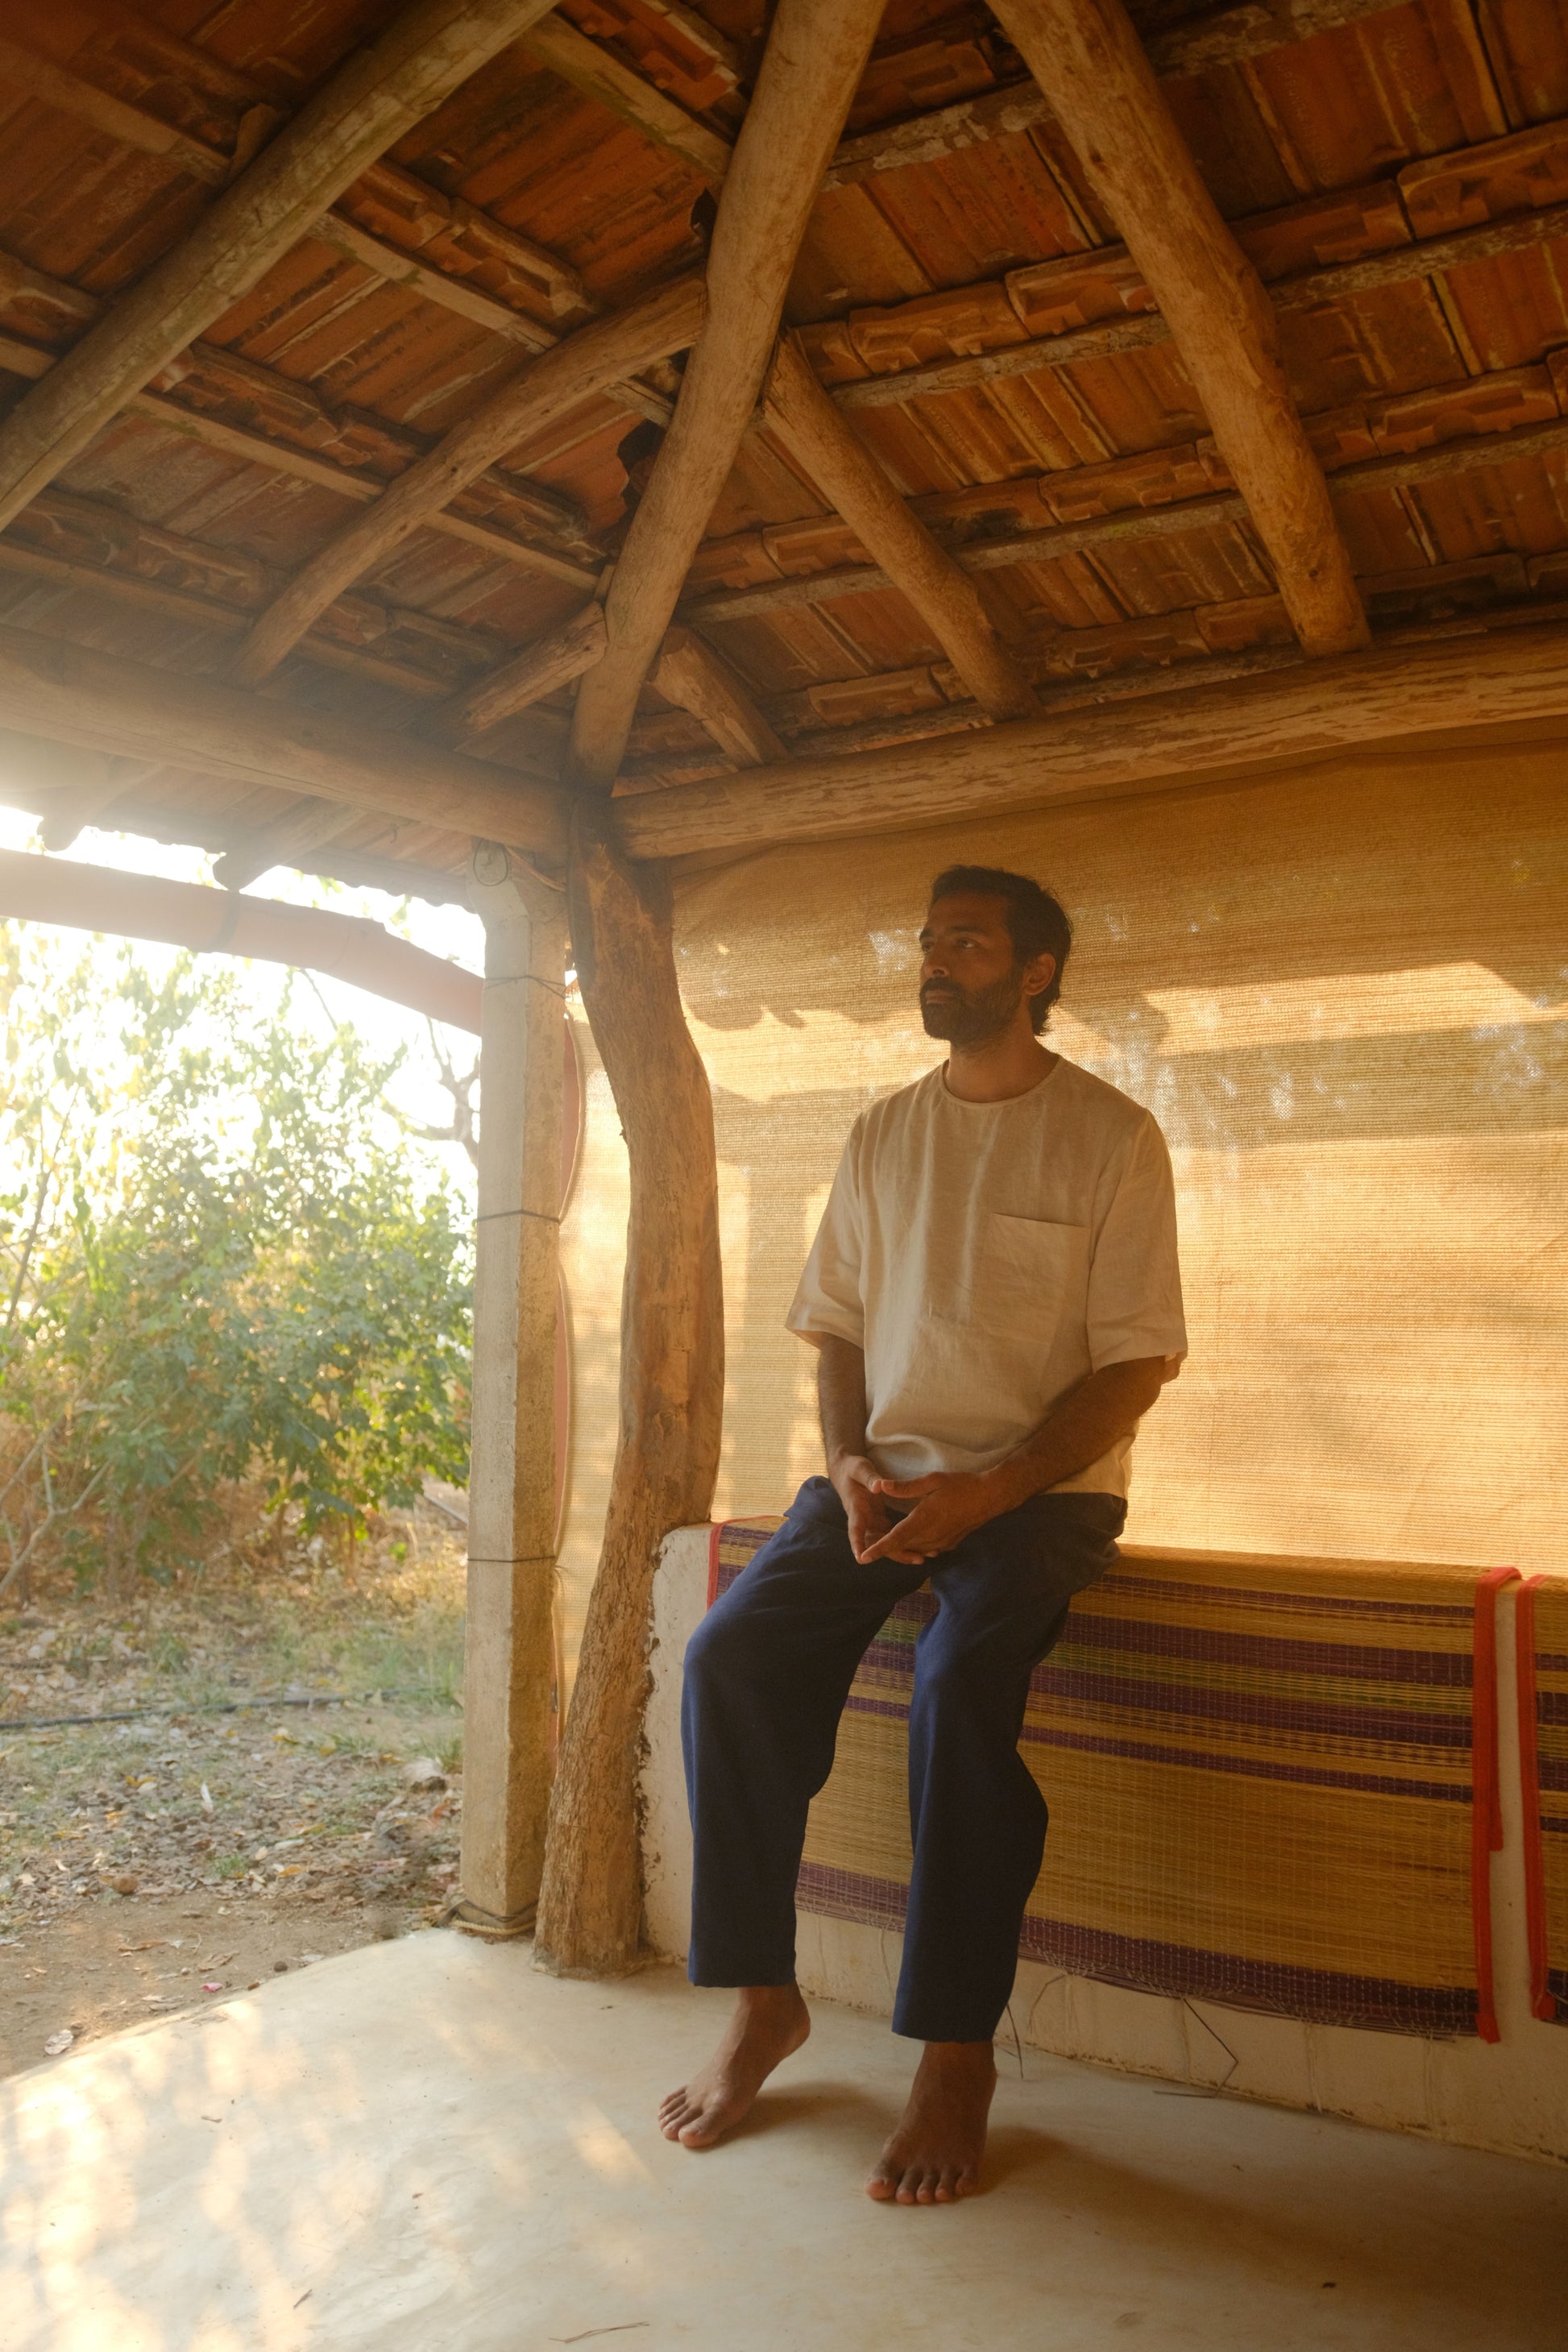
(1039, 973)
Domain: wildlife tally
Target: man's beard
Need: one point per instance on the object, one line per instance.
(972, 1016)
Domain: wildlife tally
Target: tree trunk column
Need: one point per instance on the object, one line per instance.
(508, 1668)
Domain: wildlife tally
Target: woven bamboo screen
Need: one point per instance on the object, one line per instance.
(1342, 996)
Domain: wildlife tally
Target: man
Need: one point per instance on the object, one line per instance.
(994, 1298)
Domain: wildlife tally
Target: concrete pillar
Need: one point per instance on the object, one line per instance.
(511, 1493)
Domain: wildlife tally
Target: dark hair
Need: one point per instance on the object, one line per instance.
(1036, 923)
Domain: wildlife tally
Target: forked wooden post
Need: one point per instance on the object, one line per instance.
(672, 1390)
(508, 1671)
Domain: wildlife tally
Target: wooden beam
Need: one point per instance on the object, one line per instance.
(1087, 58)
(75, 694)
(692, 676)
(1175, 739)
(557, 43)
(34, 771)
(536, 671)
(815, 53)
(547, 387)
(377, 95)
(853, 485)
(671, 1388)
(191, 915)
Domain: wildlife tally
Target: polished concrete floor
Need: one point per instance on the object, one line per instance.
(428, 2146)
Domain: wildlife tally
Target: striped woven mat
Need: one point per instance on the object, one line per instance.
(1544, 1745)
(1259, 1772)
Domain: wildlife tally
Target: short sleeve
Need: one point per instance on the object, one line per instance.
(829, 1300)
(1134, 1278)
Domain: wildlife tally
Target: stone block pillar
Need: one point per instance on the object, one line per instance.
(508, 1668)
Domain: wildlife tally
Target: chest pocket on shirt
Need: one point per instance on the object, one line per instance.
(1029, 1277)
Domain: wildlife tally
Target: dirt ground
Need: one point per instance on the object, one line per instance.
(241, 1822)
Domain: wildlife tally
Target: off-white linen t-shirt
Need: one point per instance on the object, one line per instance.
(987, 1257)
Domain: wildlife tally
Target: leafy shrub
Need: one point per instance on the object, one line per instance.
(220, 1262)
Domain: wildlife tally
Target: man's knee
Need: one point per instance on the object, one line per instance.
(977, 1667)
(722, 1652)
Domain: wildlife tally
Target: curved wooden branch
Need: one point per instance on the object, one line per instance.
(812, 430)
(369, 103)
(672, 1391)
(544, 389)
(191, 915)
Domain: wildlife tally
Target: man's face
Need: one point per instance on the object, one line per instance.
(971, 984)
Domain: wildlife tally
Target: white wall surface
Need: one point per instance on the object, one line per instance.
(1510, 2096)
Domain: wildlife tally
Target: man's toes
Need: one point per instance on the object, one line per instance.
(883, 2184)
(909, 2187)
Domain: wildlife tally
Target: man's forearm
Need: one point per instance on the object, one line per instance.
(841, 1399)
(1104, 1408)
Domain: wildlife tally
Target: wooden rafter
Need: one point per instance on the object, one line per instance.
(306, 827)
(559, 44)
(552, 661)
(813, 64)
(692, 675)
(369, 103)
(73, 694)
(1169, 740)
(546, 388)
(1087, 58)
(824, 442)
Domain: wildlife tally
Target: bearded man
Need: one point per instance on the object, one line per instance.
(995, 1298)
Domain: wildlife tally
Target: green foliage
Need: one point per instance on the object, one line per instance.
(219, 1261)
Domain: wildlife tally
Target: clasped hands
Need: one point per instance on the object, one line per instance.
(944, 1507)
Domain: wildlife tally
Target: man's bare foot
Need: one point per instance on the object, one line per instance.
(933, 2158)
(770, 2021)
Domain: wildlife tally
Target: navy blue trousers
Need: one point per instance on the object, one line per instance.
(767, 1673)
